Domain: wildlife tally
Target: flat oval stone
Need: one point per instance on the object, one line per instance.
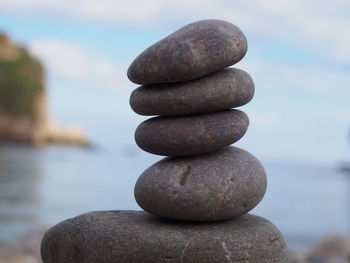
(135, 237)
(191, 134)
(222, 90)
(191, 52)
(207, 187)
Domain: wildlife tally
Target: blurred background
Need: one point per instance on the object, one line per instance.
(63, 80)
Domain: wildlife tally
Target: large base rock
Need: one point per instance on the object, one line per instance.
(135, 236)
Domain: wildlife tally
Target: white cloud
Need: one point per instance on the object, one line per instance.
(312, 78)
(319, 26)
(93, 10)
(77, 63)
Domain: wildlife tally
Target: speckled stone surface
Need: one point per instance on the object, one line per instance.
(222, 90)
(191, 134)
(208, 187)
(191, 52)
(137, 237)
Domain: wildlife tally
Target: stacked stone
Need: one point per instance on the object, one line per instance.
(187, 83)
(209, 181)
(205, 187)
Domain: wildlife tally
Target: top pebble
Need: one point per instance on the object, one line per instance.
(192, 52)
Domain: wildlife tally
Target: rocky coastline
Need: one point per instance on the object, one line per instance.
(23, 100)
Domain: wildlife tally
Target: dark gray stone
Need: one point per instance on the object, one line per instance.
(208, 187)
(191, 52)
(191, 134)
(137, 237)
(225, 89)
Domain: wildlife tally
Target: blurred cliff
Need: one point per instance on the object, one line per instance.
(23, 100)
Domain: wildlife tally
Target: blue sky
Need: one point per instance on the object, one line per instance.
(298, 56)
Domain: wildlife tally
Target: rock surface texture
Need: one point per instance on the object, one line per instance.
(191, 134)
(207, 187)
(192, 52)
(200, 194)
(137, 237)
(225, 89)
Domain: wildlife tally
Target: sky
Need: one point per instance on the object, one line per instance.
(298, 55)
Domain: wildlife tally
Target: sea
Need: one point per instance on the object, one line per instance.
(40, 187)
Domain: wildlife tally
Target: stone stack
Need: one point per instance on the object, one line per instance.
(198, 197)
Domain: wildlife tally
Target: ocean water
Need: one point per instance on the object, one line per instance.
(42, 186)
